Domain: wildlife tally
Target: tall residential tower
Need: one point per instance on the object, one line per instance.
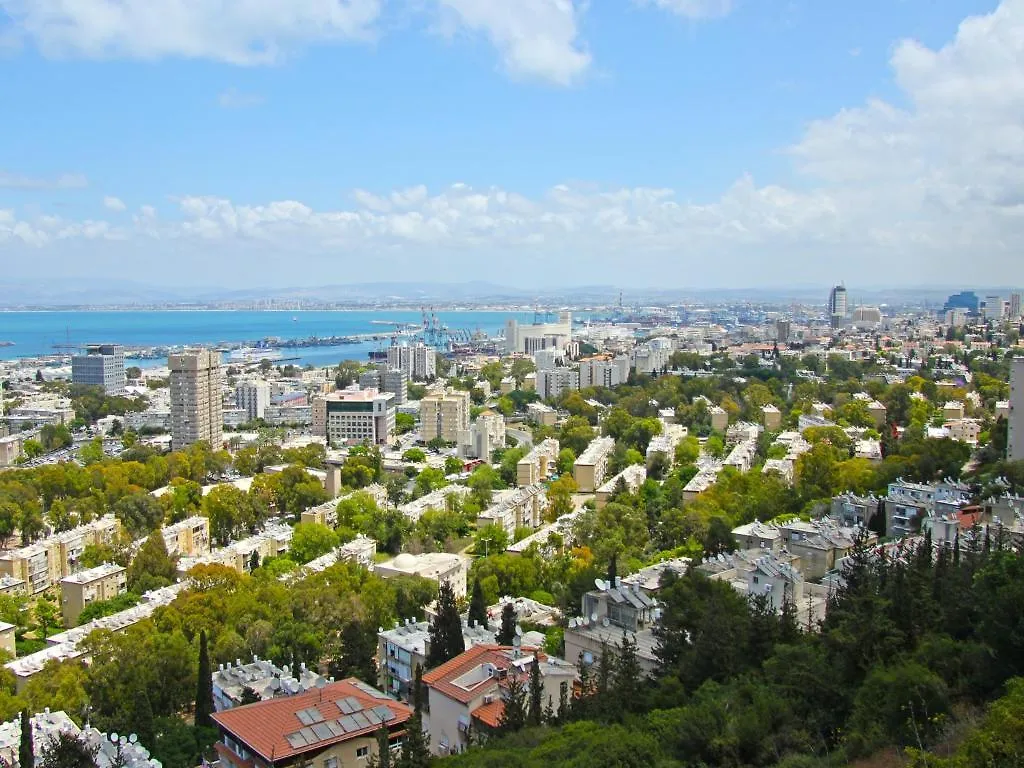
(837, 306)
(196, 411)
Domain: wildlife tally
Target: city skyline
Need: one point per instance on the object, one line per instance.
(648, 143)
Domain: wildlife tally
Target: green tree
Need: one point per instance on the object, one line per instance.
(416, 745)
(310, 540)
(446, 640)
(507, 632)
(152, 567)
(26, 750)
(513, 716)
(415, 455)
(67, 750)
(490, 539)
(535, 716)
(46, 614)
(478, 606)
(204, 686)
(404, 422)
(139, 513)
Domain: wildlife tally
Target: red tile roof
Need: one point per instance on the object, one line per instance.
(442, 678)
(490, 714)
(263, 727)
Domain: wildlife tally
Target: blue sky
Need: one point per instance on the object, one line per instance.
(702, 142)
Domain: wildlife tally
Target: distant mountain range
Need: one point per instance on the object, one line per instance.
(76, 293)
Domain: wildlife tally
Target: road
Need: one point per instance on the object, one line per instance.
(521, 436)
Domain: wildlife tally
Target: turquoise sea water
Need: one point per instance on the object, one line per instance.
(36, 333)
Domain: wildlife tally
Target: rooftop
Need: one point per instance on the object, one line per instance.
(94, 574)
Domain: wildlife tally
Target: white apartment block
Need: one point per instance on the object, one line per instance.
(352, 416)
(253, 397)
(419, 362)
(652, 356)
(444, 414)
(604, 371)
(538, 464)
(483, 437)
(631, 478)
(552, 383)
(196, 399)
(1015, 421)
(519, 508)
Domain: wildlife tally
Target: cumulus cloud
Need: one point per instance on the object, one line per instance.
(692, 9)
(234, 32)
(536, 39)
(113, 204)
(19, 181)
(926, 189)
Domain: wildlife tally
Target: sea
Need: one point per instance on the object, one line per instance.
(36, 334)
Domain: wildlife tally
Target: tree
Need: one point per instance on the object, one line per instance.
(535, 715)
(139, 513)
(404, 422)
(416, 745)
(415, 456)
(446, 640)
(382, 758)
(310, 540)
(490, 539)
(68, 751)
(204, 686)
(513, 716)
(46, 614)
(560, 494)
(506, 634)
(26, 752)
(152, 567)
(478, 606)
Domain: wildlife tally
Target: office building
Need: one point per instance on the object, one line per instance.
(104, 582)
(417, 360)
(1014, 313)
(253, 397)
(102, 365)
(837, 306)
(1015, 421)
(354, 415)
(196, 408)
(966, 300)
(444, 414)
(530, 338)
(553, 383)
(783, 330)
(994, 308)
(385, 379)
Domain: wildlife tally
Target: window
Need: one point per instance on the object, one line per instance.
(362, 752)
(755, 580)
(331, 762)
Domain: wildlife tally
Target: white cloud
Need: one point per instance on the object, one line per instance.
(692, 9)
(233, 99)
(19, 181)
(927, 190)
(233, 31)
(113, 204)
(537, 39)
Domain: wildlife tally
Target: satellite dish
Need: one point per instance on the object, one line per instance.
(572, 623)
(114, 737)
(519, 631)
(379, 630)
(593, 618)
(604, 622)
(132, 738)
(320, 682)
(600, 584)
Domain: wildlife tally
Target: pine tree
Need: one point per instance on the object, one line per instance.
(627, 678)
(513, 717)
(446, 640)
(549, 712)
(536, 713)
(478, 606)
(254, 560)
(507, 632)
(26, 753)
(204, 686)
(142, 718)
(603, 684)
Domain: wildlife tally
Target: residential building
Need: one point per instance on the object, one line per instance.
(104, 582)
(546, 416)
(719, 418)
(651, 356)
(188, 538)
(590, 468)
(406, 646)
(1015, 422)
(783, 330)
(850, 510)
(539, 464)
(665, 443)
(549, 539)
(253, 397)
(953, 409)
(330, 726)
(385, 379)
(272, 541)
(516, 508)
(819, 545)
(438, 499)
(1014, 314)
(964, 430)
(837, 306)
(352, 416)
(466, 695)
(966, 300)
(758, 535)
(11, 586)
(629, 479)
(7, 643)
(417, 361)
(484, 436)
(772, 417)
(11, 447)
(263, 678)
(704, 479)
(436, 566)
(530, 338)
(878, 412)
(775, 577)
(604, 371)
(47, 726)
(608, 613)
(554, 382)
(993, 309)
(327, 513)
(196, 402)
(444, 414)
(546, 359)
(101, 365)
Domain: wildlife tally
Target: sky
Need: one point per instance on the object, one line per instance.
(640, 143)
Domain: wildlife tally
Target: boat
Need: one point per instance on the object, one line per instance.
(254, 354)
(6, 343)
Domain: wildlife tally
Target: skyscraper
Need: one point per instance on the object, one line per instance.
(196, 412)
(1015, 438)
(837, 306)
(102, 365)
(1015, 307)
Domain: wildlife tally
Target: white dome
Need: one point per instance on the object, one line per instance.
(404, 562)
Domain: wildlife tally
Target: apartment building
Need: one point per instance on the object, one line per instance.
(554, 382)
(592, 465)
(529, 338)
(385, 379)
(719, 418)
(434, 500)
(604, 371)
(44, 563)
(607, 614)
(327, 513)
(196, 403)
(417, 361)
(630, 479)
(539, 464)
(330, 726)
(104, 582)
(253, 397)
(352, 416)
(100, 365)
(444, 414)
(188, 538)
(517, 508)
(262, 677)
(466, 695)
(272, 541)
(771, 417)
(546, 416)
(484, 436)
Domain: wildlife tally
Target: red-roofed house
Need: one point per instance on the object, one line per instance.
(327, 727)
(465, 694)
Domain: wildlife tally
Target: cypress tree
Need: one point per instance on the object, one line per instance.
(612, 572)
(535, 716)
(26, 753)
(513, 717)
(446, 640)
(478, 606)
(204, 686)
(142, 718)
(508, 625)
(563, 702)
(416, 747)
